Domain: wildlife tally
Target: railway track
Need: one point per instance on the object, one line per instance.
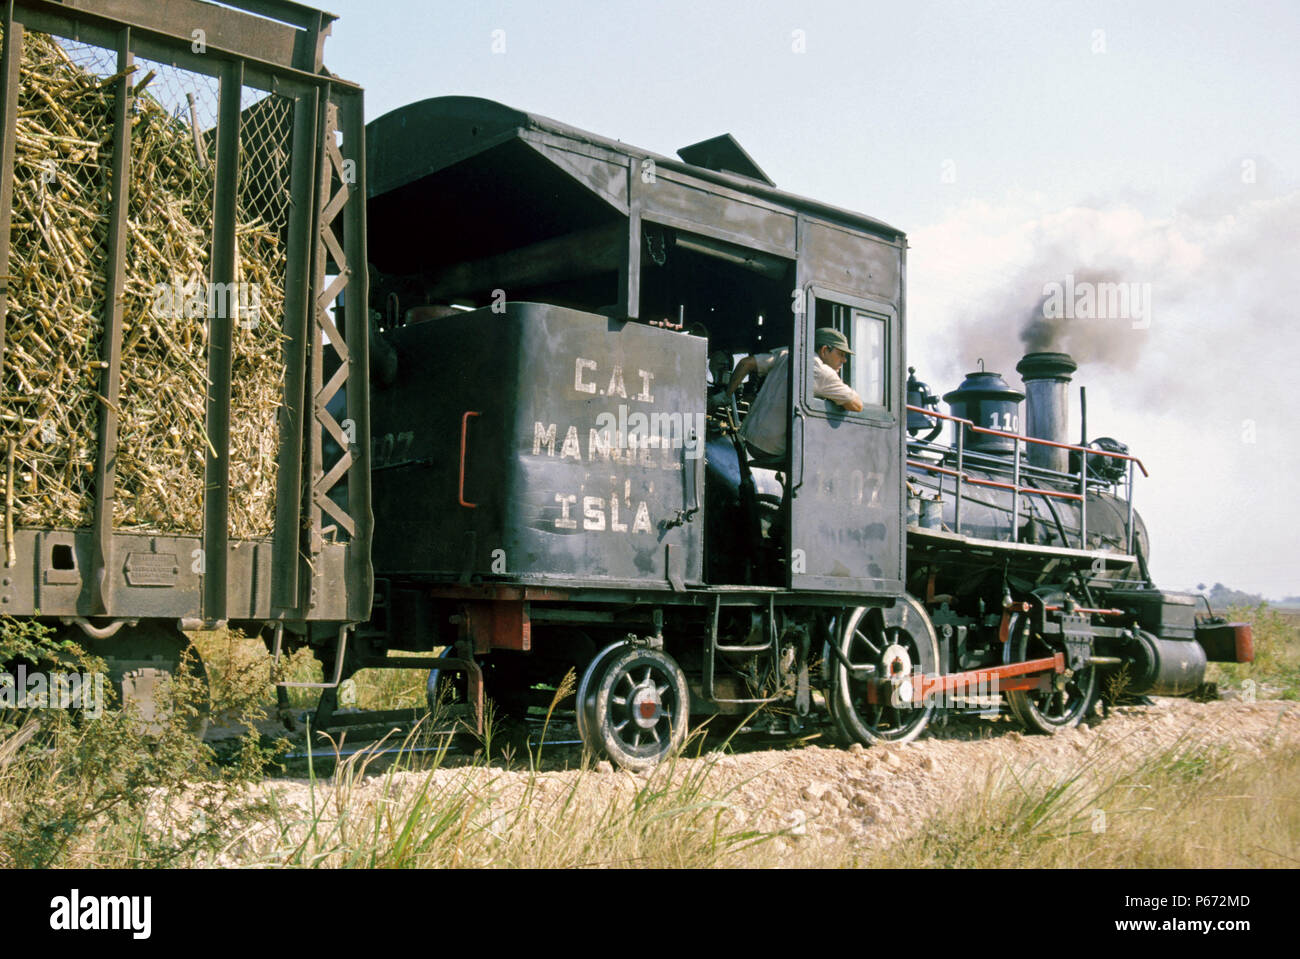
(392, 735)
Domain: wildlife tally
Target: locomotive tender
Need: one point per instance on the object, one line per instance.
(557, 483)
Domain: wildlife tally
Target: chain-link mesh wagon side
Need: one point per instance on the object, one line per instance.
(183, 397)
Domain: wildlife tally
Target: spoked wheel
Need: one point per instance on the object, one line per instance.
(143, 662)
(1064, 704)
(633, 705)
(900, 642)
(586, 699)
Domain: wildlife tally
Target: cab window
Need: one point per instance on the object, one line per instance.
(865, 370)
(868, 336)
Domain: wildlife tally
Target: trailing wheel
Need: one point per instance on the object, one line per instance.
(585, 705)
(633, 706)
(900, 644)
(1070, 695)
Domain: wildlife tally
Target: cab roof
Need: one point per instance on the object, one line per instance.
(421, 140)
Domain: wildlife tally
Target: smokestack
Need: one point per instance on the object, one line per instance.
(1046, 376)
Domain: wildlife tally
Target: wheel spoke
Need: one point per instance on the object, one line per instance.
(870, 645)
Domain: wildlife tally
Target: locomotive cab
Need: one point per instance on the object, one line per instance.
(556, 483)
(599, 279)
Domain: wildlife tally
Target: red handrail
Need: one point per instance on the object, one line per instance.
(1027, 439)
(979, 482)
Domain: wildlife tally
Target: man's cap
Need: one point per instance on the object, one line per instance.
(826, 336)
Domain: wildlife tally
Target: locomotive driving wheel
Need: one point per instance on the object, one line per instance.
(1070, 695)
(633, 705)
(899, 642)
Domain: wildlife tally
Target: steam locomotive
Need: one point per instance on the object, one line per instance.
(557, 484)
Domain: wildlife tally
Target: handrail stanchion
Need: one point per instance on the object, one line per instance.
(961, 436)
(1015, 493)
(1130, 507)
(1083, 501)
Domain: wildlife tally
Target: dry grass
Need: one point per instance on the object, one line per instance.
(57, 809)
(415, 814)
(238, 662)
(1275, 673)
(97, 796)
(478, 818)
(86, 791)
(1190, 806)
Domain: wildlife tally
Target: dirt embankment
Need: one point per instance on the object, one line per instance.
(871, 798)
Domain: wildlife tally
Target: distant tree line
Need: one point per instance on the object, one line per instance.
(1221, 596)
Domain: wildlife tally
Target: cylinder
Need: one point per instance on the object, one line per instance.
(1046, 377)
(1165, 667)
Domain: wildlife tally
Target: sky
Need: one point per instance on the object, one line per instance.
(1023, 147)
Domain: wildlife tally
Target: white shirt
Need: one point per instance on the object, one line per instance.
(827, 384)
(765, 426)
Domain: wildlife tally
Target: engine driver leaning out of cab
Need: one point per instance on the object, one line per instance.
(764, 429)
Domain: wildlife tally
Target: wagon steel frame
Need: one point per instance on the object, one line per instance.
(315, 565)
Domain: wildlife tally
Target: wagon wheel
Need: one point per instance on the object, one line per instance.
(900, 642)
(434, 696)
(633, 705)
(143, 661)
(1070, 696)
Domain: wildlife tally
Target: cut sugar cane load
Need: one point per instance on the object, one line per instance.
(50, 397)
